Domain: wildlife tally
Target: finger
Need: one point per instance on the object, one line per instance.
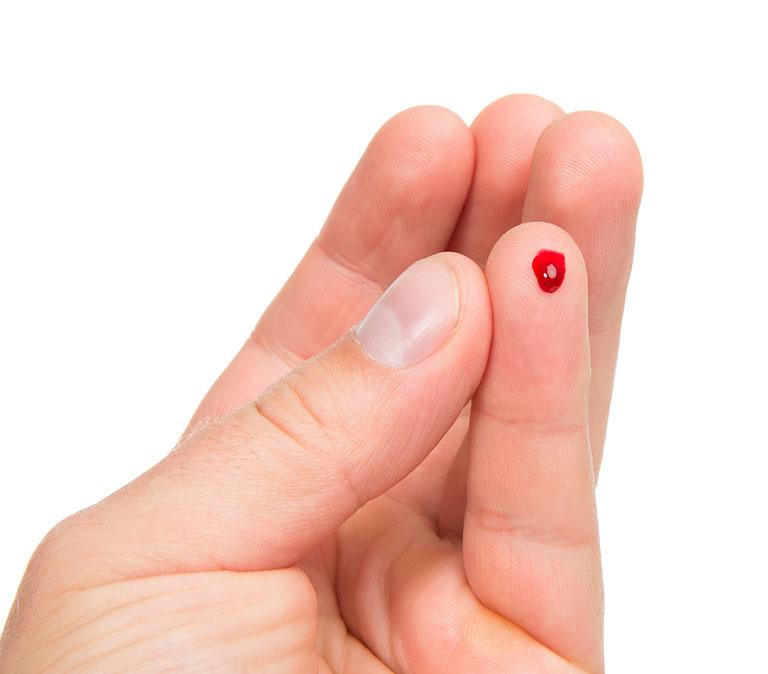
(587, 177)
(530, 529)
(505, 136)
(261, 487)
(400, 204)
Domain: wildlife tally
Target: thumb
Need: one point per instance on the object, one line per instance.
(259, 488)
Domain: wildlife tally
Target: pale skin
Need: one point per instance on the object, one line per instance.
(326, 513)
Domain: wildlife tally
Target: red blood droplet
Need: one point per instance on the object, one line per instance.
(549, 268)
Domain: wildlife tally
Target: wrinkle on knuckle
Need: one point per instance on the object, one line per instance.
(573, 427)
(320, 451)
(297, 412)
(517, 529)
(268, 342)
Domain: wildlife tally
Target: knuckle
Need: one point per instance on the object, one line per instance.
(291, 410)
(310, 410)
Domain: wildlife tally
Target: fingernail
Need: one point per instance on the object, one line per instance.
(413, 318)
(549, 268)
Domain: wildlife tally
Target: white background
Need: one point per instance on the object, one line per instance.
(163, 165)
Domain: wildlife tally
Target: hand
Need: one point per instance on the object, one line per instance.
(350, 511)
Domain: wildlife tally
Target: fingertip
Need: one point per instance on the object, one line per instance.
(432, 118)
(587, 150)
(469, 276)
(540, 336)
(474, 322)
(405, 195)
(505, 135)
(460, 367)
(506, 132)
(510, 264)
(420, 150)
(524, 106)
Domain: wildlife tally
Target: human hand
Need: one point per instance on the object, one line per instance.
(349, 511)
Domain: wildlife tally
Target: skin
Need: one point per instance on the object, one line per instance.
(324, 513)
